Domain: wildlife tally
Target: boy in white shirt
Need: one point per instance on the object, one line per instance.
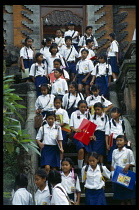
(59, 40)
(89, 45)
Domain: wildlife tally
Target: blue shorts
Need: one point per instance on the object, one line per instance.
(113, 63)
(38, 81)
(103, 85)
(80, 77)
(71, 67)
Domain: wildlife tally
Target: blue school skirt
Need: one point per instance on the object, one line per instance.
(38, 81)
(95, 197)
(114, 146)
(123, 193)
(27, 64)
(103, 85)
(50, 155)
(64, 135)
(71, 67)
(113, 63)
(99, 145)
(80, 145)
(80, 77)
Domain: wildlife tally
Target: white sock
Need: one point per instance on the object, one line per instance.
(114, 80)
(80, 163)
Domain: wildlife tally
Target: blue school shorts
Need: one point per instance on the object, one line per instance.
(71, 67)
(80, 77)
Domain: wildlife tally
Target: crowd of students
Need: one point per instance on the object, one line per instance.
(79, 91)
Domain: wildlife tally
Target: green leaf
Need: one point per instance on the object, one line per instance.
(21, 118)
(25, 147)
(26, 140)
(34, 149)
(10, 147)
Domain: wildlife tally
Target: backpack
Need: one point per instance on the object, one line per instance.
(38, 119)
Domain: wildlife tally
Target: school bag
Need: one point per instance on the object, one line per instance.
(38, 119)
(71, 202)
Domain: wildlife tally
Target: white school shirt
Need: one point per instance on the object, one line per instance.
(100, 121)
(50, 61)
(97, 99)
(43, 100)
(65, 53)
(59, 86)
(71, 100)
(113, 48)
(59, 41)
(64, 113)
(82, 41)
(84, 66)
(22, 197)
(123, 157)
(42, 197)
(40, 70)
(90, 54)
(26, 54)
(102, 69)
(59, 197)
(45, 51)
(116, 130)
(51, 134)
(69, 33)
(74, 121)
(94, 177)
(70, 184)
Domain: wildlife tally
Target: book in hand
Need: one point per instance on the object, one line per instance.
(87, 129)
(125, 179)
(25, 74)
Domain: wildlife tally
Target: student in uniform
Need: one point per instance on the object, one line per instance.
(100, 119)
(27, 54)
(46, 45)
(84, 68)
(54, 55)
(88, 35)
(93, 175)
(38, 72)
(75, 121)
(89, 45)
(95, 97)
(59, 40)
(62, 119)
(113, 56)
(58, 191)
(21, 195)
(59, 86)
(74, 34)
(69, 54)
(102, 75)
(114, 127)
(42, 195)
(44, 102)
(70, 180)
(71, 99)
(123, 157)
(51, 144)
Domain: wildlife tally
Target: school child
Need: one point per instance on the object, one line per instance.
(95, 97)
(113, 56)
(69, 54)
(59, 194)
(38, 72)
(114, 127)
(74, 34)
(62, 119)
(100, 119)
(89, 45)
(59, 40)
(75, 121)
(44, 102)
(27, 54)
(102, 75)
(21, 195)
(71, 99)
(51, 144)
(59, 86)
(42, 195)
(46, 45)
(123, 157)
(94, 175)
(84, 68)
(54, 54)
(58, 65)
(70, 180)
(88, 35)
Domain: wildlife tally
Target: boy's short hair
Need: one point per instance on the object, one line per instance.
(95, 87)
(68, 37)
(21, 180)
(89, 41)
(87, 27)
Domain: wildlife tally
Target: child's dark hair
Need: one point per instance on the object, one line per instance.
(98, 104)
(21, 180)
(68, 37)
(54, 45)
(58, 98)
(94, 87)
(57, 60)
(54, 177)
(81, 102)
(58, 30)
(68, 160)
(50, 113)
(48, 39)
(116, 109)
(37, 55)
(122, 137)
(27, 39)
(74, 84)
(87, 27)
(93, 154)
(85, 50)
(103, 55)
(112, 35)
(88, 41)
(48, 86)
(42, 173)
(59, 70)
